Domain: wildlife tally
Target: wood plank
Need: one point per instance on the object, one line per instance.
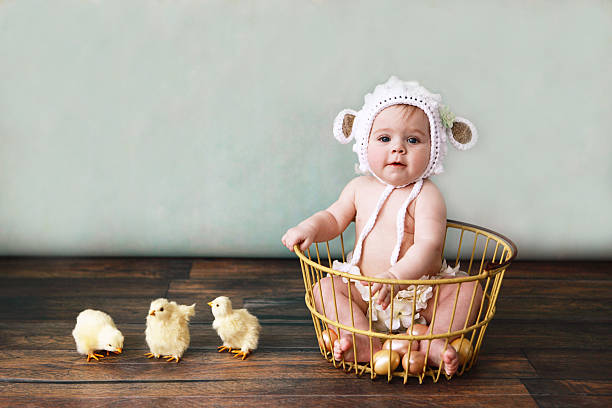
(57, 335)
(78, 287)
(237, 268)
(544, 386)
(207, 365)
(94, 267)
(572, 363)
(254, 285)
(134, 310)
(557, 289)
(346, 384)
(264, 400)
(501, 335)
(556, 309)
(293, 308)
(563, 270)
(544, 334)
(570, 401)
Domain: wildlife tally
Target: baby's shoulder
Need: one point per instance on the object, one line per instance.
(430, 196)
(357, 184)
(361, 182)
(430, 189)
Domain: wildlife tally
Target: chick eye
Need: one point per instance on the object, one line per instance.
(110, 345)
(161, 309)
(217, 305)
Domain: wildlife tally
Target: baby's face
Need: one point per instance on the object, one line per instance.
(399, 144)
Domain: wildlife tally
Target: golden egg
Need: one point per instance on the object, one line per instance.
(463, 348)
(418, 330)
(400, 346)
(381, 361)
(327, 339)
(414, 362)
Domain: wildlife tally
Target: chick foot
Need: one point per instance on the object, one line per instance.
(239, 353)
(119, 351)
(94, 356)
(170, 358)
(223, 348)
(151, 355)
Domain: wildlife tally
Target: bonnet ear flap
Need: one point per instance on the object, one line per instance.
(463, 134)
(343, 125)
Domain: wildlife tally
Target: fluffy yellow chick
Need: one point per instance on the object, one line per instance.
(167, 331)
(95, 330)
(238, 329)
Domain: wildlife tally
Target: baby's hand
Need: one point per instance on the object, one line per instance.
(384, 290)
(299, 235)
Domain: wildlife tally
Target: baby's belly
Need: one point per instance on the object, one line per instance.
(377, 249)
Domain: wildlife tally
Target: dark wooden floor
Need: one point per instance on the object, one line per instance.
(550, 343)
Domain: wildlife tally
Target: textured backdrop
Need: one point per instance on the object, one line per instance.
(204, 127)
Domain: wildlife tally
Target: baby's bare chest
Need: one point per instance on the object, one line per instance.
(381, 240)
(386, 220)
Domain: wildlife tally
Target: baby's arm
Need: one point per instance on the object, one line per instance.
(424, 256)
(326, 224)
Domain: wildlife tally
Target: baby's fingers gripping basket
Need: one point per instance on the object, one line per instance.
(483, 254)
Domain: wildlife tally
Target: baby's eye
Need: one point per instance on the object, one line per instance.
(384, 139)
(413, 140)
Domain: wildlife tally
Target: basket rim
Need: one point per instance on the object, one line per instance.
(490, 269)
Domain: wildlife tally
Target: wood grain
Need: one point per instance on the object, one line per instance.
(265, 400)
(548, 345)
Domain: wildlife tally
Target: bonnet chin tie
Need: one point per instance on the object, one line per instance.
(401, 216)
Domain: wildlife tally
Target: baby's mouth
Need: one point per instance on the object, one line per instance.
(396, 164)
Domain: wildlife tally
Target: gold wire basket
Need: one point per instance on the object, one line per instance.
(487, 254)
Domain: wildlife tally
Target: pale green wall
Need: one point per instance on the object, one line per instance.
(204, 127)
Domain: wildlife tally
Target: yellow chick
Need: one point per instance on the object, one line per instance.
(167, 332)
(95, 330)
(238, 329)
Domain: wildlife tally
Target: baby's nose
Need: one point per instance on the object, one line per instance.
(398, 149)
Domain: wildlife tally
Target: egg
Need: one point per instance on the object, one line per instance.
(418, 330)
(381, 361)
(464, 349)
(327, 339)
(414, 362)
(400, 346)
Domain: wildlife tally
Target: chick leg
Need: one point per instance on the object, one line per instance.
(239, 353)
(170, 358)
(223, 348)
(151, 355)
(94, 356)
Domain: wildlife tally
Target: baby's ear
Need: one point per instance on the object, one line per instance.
(343, 125)
(463, 134)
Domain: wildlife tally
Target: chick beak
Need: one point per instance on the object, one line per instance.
(152, 313)
(210, 304)
(119, 350)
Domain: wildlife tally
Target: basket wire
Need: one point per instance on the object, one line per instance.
(486, 267)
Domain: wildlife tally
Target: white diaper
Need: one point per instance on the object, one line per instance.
(402, 303)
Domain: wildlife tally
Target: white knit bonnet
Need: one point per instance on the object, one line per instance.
(443, 126)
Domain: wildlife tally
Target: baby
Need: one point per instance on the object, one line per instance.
(400, 138)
